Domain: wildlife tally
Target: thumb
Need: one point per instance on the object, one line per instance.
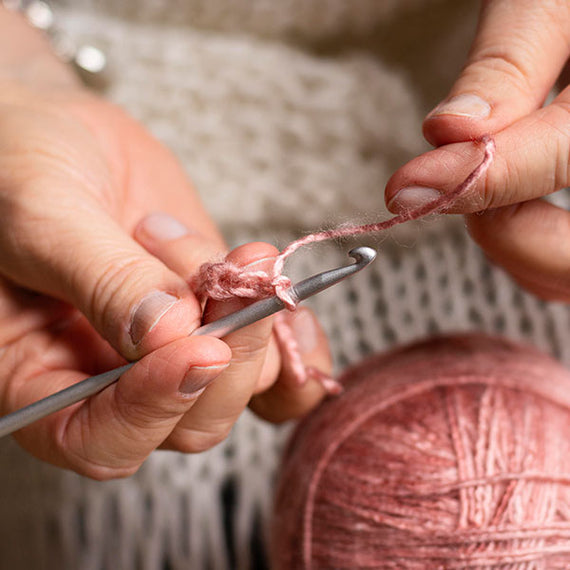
(130, 297)
(518, 52)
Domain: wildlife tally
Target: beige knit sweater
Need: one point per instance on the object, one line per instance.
(289, 115)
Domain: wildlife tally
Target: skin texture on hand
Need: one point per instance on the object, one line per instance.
(519, 51)
(100, 231)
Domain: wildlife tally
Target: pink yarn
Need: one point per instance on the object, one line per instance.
(288, 343)
(437, 206)
(450, 453)
(225, 280)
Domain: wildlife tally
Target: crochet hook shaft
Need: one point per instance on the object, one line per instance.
(362, 256)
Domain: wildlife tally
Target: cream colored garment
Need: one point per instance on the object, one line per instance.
(289, 115)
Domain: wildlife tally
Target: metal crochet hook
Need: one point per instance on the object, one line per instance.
(362, 256)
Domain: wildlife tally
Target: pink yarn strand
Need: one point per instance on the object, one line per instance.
(224, 280)
(301, 373)
(437, 206)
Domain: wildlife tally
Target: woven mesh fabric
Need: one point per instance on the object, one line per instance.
(288, 116)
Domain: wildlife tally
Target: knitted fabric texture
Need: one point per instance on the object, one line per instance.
(452, 453)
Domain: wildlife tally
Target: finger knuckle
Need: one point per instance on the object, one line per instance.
(103, 473)
(198, 440)
(505, 65)
(560, 123)
(87, 460)
(250, 346)
(137, 416)
(111, 283)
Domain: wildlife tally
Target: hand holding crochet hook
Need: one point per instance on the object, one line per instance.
(100, 230)
(290, 296)
(160, 401)
(101, 227)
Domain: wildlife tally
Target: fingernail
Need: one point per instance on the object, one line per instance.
(198, 377)
(464, 105)
(163, 227)
(305, 330)
(147, 314)
(413, 197)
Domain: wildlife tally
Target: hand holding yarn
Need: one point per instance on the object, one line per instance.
(516, 58)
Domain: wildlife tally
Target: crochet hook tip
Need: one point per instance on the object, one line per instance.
(363, 256)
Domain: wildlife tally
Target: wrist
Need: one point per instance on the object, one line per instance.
(26, 55)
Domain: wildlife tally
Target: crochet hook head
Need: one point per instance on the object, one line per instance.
(362, 256)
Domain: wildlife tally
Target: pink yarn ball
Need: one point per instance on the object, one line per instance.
(449, 453)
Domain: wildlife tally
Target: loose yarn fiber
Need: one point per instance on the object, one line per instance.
(450, 453)
(225, 280)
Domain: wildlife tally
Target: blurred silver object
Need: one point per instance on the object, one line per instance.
(88, 61)
(40, 15)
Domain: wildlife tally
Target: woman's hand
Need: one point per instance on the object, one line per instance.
(519, 51)
(100, 231)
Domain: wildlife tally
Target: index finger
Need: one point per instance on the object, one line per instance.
(532, 160)
(218, 408)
